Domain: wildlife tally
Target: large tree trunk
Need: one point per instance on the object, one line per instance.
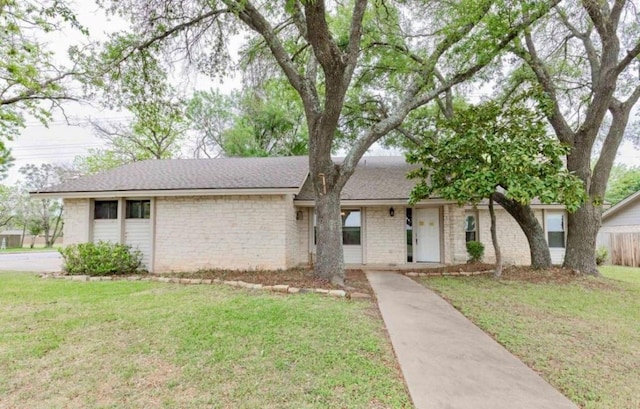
(494, 239)
(523, 214)
(581, 239)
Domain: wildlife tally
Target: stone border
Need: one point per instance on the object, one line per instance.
(448, 274)
(197, 281)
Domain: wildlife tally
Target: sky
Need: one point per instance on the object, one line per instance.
(61, 142)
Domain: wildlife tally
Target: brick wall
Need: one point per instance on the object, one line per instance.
(234, 232)
(455, 249)
(76, 220)
(513, 243)
(385, 237)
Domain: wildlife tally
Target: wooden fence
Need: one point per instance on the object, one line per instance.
(624, 248)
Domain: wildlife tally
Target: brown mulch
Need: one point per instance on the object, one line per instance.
(355, 280)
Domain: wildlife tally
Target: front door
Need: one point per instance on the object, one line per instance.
(426, 227)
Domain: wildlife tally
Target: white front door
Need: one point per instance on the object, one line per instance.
(426, 238)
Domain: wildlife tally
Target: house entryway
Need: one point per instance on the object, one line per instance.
(426, 235)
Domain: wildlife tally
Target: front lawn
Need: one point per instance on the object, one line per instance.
(126, 344)
(581, 334)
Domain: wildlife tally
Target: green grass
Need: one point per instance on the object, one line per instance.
(583, 336)
(28, 249)
(139, 344)
(629, 274)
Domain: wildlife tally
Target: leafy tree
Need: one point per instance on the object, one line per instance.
(624, 181)
(8, 205)
(31, 83)
(44, 215)
(268, 121)
(500, 153)
(350, 63)
(584, 57)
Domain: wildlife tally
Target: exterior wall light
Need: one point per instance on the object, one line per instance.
(391, 211)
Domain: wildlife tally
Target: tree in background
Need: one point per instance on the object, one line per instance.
(584, 57)
(9, 200)
(499, 153)
(264, 121)
(624, 181)
(374, 57)
(31, 83)
(43, 215)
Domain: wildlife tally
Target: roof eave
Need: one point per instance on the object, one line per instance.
(165, 192)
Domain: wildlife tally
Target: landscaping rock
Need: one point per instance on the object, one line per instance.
(337, 293)
(218, 281)
(293, 290)
(195, 281)
(95, 278)
(79, 278)
(267, 287)
(281, 288)
(185, 281)
(164, 279)
(412, 274)
(106, 278)
(256, 286)
(361, 296)
(322, 291)
(134, 278)
(231, 283)
(206, 281)
(175, 280)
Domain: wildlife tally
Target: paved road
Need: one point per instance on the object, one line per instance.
(37, 262)
(449, 363)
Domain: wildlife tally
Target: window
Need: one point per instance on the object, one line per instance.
(555, 230)
(105, 209)
(350, 227)
(470, 228)
(138, 209)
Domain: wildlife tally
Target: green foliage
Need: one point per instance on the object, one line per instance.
(623, 181)
(255, 122)
(475, 249)
(100, 259)
(602, 254)
(28, 72)
(488, 147)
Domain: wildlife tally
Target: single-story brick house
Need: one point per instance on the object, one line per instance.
(258, 213)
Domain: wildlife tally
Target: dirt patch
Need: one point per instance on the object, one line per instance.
(355, 280)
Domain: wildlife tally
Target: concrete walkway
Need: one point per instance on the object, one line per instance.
(448, 362)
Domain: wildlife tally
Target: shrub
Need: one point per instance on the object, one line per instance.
(100, 259)
(602, 254)
(475, 249)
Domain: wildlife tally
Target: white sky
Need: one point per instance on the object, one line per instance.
(61, 142)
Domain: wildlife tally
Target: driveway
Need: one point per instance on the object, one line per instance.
(37, 262)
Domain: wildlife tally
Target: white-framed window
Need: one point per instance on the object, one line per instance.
(470, 227)
(556, 230)
(351, 227)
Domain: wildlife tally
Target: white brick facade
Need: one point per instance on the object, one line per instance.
(513, 243)
(385, 236)
(76, 220)
(233, 232)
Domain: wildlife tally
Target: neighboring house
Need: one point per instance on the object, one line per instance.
(617, 222)
(257, 213)
(623, 217)
(10, 238)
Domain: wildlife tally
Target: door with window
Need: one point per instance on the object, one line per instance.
(426, 227)
(352, 235)
(137, 228)
(555, 223)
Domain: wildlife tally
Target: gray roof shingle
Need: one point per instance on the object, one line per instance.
(375, 178)
(183, 174)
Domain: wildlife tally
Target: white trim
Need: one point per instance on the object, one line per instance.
(376, 202)
(113, 194)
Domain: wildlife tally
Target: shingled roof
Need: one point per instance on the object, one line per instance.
(375, 178)
(188, 174)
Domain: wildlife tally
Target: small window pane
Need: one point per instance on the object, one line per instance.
(105, 209)
(138, 209)
(470, 236)
(555, 222)
(556, 239)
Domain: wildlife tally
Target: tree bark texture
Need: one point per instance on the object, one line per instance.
(523, 214)
(494, 239)
(583, 229)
